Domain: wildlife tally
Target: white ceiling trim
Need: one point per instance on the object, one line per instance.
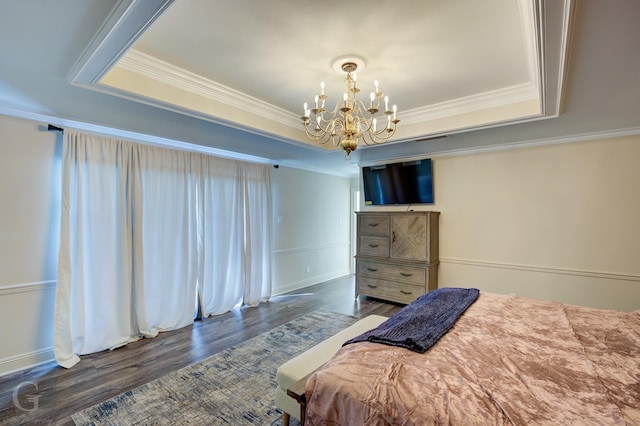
(569, 11)
(531, 27)
(132, 136)
(125, 94)
(556, 20)
(126, 22)
(482, 101)
(148, 66)
(581, 137)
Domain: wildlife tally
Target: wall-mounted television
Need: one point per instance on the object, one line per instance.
(409, 182)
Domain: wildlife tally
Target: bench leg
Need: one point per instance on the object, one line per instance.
(285, 419)
(303, 410)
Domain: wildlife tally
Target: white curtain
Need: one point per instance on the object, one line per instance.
(236, 230)
(256, 179)
(165, 253)
(95, 286)
(142, 229)
(222, 281)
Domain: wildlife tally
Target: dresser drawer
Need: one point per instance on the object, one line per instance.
(382, 289)
(374, 225)
(393, 272)
(373, 246)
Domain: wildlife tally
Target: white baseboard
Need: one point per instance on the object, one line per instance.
(317, 279)
(27, 360)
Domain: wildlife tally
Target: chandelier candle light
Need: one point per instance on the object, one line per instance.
(351, 120)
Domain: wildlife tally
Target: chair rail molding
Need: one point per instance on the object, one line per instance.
(311, 248)
(542, 269)
(25, 287)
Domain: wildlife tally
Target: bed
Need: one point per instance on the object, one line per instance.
(506, 360)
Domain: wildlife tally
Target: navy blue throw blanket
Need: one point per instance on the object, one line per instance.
(419, 325)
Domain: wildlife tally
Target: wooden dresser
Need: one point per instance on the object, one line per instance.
(397, 255)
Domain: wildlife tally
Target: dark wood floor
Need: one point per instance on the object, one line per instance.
(104, 375)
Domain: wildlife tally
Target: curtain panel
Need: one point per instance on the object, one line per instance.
(257, 230)
(151, 235)
(222, 246)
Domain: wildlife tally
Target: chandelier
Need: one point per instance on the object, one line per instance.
(351, 120)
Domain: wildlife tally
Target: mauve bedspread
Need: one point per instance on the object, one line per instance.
(507, 360)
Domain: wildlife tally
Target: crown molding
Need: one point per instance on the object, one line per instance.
(555, 20)
(569, 12)
(126, 22)
(482, 101)
(531, 28)
(579, 137)
(131, 136)
(531, 143)
(150, 67)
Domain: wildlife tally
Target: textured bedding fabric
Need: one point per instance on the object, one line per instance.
(507, 360)
(419, 325)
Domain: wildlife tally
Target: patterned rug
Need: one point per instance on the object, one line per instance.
(233, 387)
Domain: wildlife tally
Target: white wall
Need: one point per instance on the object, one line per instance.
(554, 222)
(312, 228)
(29, 223)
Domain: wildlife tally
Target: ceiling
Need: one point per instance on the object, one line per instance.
(230, 77)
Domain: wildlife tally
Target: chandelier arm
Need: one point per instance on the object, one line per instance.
(352, 119)
(322, 126)
(371, 138)
(321, 138)
(332, 116)
(312, 119)
(368, 139)
(367, 133)
(380, 136)
(332, 129)
(359, 112)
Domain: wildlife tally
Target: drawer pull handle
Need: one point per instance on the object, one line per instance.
(373, 245)
(374, 224)
(372, 286)
(405, 292)
(372, 269)
(404, 274)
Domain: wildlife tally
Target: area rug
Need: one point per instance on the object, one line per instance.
(233, 387)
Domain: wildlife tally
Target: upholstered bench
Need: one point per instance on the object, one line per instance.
(307, 362)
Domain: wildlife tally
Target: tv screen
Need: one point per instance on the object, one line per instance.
(409, 182)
